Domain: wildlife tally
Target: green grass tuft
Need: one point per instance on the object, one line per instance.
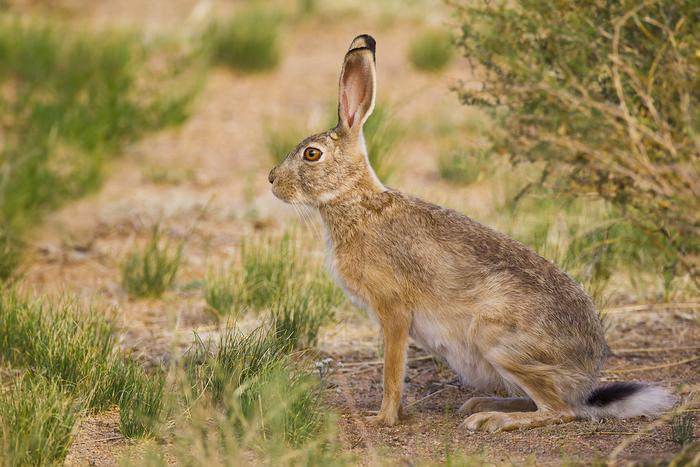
(248, 42)
(141, 402)
(282, 139)
(682, 429)
(382, 135)
(269, 268)
(61, 342)
(220, 293)
(297, 317)
(74, 98)
(150, 272)
(258, 385)
(76, 349)
(10, 254)
(36, 422)
(432, 50)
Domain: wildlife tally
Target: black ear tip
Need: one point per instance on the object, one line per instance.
(364, 40)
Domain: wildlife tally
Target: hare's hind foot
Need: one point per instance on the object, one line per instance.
(497, 404)
(501, 421)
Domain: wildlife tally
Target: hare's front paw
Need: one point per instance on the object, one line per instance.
(384, 418)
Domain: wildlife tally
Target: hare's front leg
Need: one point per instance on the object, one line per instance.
(395, 345)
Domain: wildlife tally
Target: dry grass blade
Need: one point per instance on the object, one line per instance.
(652, 367)
(654, 307)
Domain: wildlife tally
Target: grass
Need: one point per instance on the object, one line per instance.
(142, 402)
(150, 272)
(432, 50)
(220, 293)
(682, 429)
(249, 374)
(160, 175)
(382, 136)
(76, 350)
(62, 343)
(297, 317)
(465, 167)
(10, 253)
(281, 140)
(268, 268)
(248, 42)
(272, 270)
(72, 99)
(36, 422)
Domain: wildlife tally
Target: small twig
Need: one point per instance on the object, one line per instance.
(656, 349)
(653, 367)
(653, 307)
(408, 406)
(99, 440)
(381, 362)
(613, 433)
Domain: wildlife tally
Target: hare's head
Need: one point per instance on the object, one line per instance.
(334, 164)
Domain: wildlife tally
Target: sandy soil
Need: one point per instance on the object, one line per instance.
(225, 197)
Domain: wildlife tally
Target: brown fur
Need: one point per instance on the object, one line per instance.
(503, 316)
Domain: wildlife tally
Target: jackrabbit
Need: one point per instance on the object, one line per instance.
(503, 317)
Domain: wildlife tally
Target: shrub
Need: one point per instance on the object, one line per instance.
(431, 50)
(152, 271)
(248, 42)
(465, 166)
(604, 96)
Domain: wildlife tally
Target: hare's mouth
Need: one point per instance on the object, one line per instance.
(287, 195)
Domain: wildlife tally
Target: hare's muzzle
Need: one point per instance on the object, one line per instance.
(271, 177)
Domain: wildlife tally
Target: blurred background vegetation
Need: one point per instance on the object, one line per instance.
(572, 126)
(604, 96)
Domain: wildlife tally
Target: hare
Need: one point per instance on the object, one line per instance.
(504, 318)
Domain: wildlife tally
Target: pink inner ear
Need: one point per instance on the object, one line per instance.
(346, 111)
(353, 94)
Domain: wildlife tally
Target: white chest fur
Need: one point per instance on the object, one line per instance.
(354, 298)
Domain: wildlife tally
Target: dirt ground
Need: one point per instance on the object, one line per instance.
(225, 197)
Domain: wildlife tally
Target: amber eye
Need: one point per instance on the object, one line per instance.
(312, 154)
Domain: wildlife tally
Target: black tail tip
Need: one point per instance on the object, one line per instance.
(608, 393)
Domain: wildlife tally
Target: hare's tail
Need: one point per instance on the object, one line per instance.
(626, 400)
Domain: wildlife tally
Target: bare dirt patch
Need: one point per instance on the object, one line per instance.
(656, 347)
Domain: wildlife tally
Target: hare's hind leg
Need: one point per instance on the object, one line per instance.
(497, 404)
(549, 387)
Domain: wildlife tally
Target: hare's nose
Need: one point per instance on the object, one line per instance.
(271, 177)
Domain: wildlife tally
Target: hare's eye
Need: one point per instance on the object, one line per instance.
(312, 154)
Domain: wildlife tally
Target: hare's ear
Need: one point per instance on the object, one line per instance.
(364, 40)
(357, 84)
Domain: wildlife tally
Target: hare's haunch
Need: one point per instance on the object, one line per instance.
(503, 317)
